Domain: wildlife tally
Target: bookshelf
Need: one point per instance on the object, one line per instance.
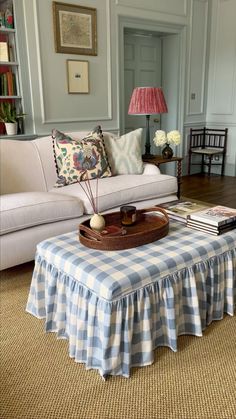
(10, 77)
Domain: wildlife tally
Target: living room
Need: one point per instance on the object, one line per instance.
(197, 41)
(194, 43)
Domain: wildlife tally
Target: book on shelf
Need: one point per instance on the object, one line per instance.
(11, 53)
(180, 209)
(4, 57)
(4, 89)
(196, 225)
(8, 84)
(214, 216)
(14, 84)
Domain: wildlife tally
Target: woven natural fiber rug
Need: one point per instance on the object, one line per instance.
(39, 380)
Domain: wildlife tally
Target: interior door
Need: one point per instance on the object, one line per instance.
(142, 67)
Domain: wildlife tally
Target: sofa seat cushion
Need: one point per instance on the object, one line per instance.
(122, 189)
(27, 209)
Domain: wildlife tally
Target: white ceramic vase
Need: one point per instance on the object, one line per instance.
(11, 128)
(97, 222)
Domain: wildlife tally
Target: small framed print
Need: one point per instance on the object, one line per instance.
(75, 29)
(78, 76)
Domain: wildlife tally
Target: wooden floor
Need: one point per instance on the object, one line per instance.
(214, 189)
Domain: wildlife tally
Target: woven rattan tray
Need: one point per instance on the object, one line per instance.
(151, 224)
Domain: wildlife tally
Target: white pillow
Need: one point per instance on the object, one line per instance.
(125, 153)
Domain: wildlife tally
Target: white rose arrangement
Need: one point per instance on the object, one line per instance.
(172, 137)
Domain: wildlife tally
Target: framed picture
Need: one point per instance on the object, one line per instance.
(78, 76)
(75, 29)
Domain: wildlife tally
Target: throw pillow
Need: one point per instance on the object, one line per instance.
(61, 138)
(79, 159)
(125, 153)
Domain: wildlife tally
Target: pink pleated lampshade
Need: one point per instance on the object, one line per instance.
(147, 101)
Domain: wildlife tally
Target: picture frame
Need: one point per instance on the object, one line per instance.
(78, 76)
(75, 29)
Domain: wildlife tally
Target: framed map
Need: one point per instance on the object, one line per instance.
(75, 29)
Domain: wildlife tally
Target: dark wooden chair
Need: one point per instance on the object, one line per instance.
(208, 143)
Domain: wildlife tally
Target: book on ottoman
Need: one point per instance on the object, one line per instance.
(214, 216)
(207, 228)
(179, 210)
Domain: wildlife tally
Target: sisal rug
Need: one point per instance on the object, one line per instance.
(39, 380)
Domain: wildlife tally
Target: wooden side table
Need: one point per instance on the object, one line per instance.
(158, 160)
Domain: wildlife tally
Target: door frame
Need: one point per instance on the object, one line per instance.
(165, 29)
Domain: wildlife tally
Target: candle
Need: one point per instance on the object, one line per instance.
(128, 215)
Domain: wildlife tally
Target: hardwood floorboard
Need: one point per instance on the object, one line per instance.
(214, 189)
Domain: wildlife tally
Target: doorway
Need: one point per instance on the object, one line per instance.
(152, 55)
(142, 67)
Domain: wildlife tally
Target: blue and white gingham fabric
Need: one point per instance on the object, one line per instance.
(116, 307)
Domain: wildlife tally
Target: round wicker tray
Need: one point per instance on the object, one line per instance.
(152, 224)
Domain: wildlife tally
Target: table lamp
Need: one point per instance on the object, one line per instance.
(147, 101)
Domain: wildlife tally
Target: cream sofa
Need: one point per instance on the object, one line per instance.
(33, 210)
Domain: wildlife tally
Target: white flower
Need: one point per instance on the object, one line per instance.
(173, 137)
(160, 138)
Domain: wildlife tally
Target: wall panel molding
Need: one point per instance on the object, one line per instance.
(223, 70)
(219, 123)
(197, 58)
(176, 8)
(42, 93)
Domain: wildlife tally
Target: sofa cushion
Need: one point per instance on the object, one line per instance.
(58, 139)
(77, 159)
(61, 137)
(27, 209)
(119, 190)
(125, 153)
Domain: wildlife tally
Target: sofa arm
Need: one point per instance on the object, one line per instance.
(150, 169)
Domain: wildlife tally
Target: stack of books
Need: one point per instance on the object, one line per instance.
(8, 84)
(215, 220)
(179, 210)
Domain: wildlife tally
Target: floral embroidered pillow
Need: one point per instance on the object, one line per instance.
(60, 138)
(79, 159)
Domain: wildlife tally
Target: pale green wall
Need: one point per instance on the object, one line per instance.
(197, 23)
(221, 94)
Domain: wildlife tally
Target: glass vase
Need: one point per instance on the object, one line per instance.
(167, 152)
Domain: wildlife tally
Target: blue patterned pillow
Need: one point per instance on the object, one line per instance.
(79, 159)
